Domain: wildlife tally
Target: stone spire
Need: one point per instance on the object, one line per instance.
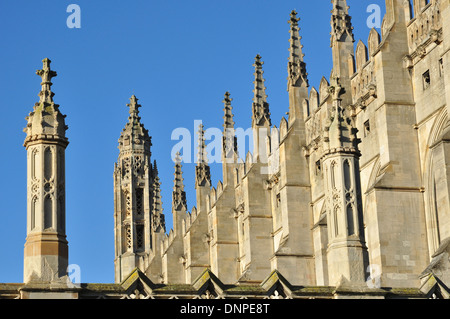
(342, 44)
(341, 22)
(202, 156)
(158, 218)
(261, 115)
(178, 195)
(229, 141)
(296, 66)
(202, 170)
(229, 138)
(134, 135)
(46, 247)
(133, 200)
(228, 110)
(339, 134)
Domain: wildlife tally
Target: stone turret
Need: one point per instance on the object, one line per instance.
(133, 190)
(46, 247)
(347, 251)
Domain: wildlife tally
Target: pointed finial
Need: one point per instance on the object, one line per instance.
(228, 110)
(295, 48)
(134, 135)
(341, 22)
(202, 170)
(201, 157)
(260, 90)
(158, 219)
(178, 195)
(296, 66)
(178, 180)
(155, 168)
(229, 140)
(261, 113)
(177, 158)
(134, 106)
(46, 74)
(339, 131)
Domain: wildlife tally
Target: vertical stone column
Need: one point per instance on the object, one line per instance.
(347, 252)
(133, 197)
(46, 247)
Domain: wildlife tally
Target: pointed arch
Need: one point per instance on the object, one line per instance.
(323, 89)
(350, 220)
(278, 135)
(48, 212)
(361, 55)
(440, 126)
(314, 100)
(34, 210)
(373, 41)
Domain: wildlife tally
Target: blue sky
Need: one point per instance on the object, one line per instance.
(178, 57)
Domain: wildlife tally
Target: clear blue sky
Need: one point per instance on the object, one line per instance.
(178, 57)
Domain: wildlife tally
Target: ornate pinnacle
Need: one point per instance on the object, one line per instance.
(158, 220)
(339, 131)
(229, 141)
(155, 170)
(178, 195)
(46, 94)
(296, 66)
(46, 120)
(134, 107)
(295, 49)
(228, 110)
(134, 130)
(201, 157)
(260, 90)
(261, 113)
(202, 170)
(341, 22)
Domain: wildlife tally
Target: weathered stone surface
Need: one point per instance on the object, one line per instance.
(348, 198)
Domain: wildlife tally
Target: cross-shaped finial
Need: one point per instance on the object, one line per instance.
(134, 106)
(46, 75)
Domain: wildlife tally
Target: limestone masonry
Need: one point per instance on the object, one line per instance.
(349, 197)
